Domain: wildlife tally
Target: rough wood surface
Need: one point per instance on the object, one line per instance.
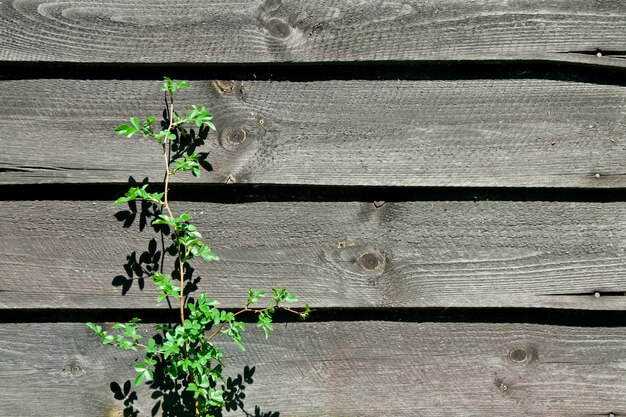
(332, 254)
(150, 31)
(542, 133)
(344, 368)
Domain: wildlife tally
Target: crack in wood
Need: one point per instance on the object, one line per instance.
(251, 193)
(595, 294)
(607, 72)
(544, 316)
(598, 52)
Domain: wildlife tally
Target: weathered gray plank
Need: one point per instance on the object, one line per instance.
(344, 368)
(335, 254)
(523, 133)
(303, 31)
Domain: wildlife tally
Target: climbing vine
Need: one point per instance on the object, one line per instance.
(186, 350)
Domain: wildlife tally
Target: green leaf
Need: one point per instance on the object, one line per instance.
(239, 344)
(184, 217)
(139, 379)
(135, 122)
(126, 130)
(121, 200)
(94, 327)
(210, 256)
(306, 312)
(172, 86)
(215, 398)
(164, 219)
(253, 296)
(122, 129)
(151, 347)
(167, 86)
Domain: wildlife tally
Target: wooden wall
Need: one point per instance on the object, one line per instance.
(443, 181)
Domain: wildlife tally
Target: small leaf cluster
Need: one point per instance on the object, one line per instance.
(140, 193)
(187, 237)
(128, 339)
(265, 315)
(171, 86)
(188, 349)
(165, 286)
(198, 116)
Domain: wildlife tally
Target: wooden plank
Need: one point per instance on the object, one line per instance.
(501, 133)
(235, 31)
(344, 368)
(65, 254)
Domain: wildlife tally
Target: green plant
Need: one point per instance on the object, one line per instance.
(185, 350)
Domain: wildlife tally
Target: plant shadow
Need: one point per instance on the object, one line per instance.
(172, 401)
(138, 267)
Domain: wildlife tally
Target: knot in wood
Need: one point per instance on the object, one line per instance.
(371, 261)
(278, 28)
(237, 136)
(76, 369)
(224, 87)
(519, 355)
(115, 412)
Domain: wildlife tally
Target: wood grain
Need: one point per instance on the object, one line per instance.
(71, 254)
(500, 133)
(234, 31)
(344, 368)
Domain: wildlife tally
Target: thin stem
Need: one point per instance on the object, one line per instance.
(181, 264)
(255, 311)
(221, 326)
(181, 297)
(140, 345)
(167, 162)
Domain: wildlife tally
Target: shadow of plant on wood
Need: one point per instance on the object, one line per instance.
(151, 260)
(173, 401)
